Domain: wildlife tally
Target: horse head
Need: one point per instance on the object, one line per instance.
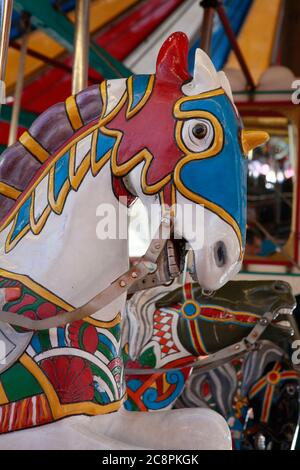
(181, 141)
(208, 324)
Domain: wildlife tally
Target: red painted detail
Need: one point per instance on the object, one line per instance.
(71, 378)
(224, 315)
(172, 60)
(188, 291)
(205, 389)
(12, 294)
(171, 73)
(273, 377)
(84, 336)
(121, 192)
(127, 33)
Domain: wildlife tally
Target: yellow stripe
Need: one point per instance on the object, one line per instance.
(3, 397)
(9, 191)
(34, 147)
(257, 37)
(73, 113)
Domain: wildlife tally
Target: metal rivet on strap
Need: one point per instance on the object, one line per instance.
(122, 283)
(134, 274)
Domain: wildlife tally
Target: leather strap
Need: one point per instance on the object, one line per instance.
(145, 266)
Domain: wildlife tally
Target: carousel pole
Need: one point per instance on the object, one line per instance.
(13, 129)
(235, 46)
(6, 7)
(81, 46)
(210, 7)
(207, 25)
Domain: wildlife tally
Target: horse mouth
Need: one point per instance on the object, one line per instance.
(281, 320)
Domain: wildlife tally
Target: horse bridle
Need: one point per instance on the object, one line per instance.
(250, 343)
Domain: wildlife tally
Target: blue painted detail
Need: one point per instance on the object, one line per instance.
(139, 88)
(61, 337)
(128, 405)
(35, 343)
(104, 397)
(151, 397)
(105, 340)
(61, 173)
(104, 144)
(103, 394)
(134, 384)
(221, 179)
(220, 47)
(23, 218)
(189, 309)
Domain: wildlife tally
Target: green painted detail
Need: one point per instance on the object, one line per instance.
(18, 383)
(2, 148)
(147, 358)
(44, 340)
(26, 118)
(116, 331)
(106, 351)
(57, 26)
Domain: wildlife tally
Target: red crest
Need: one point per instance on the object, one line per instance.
(156, 114)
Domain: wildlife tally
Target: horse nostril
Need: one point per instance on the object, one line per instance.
(220, 254)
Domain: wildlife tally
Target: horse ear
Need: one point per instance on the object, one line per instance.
(172, 60)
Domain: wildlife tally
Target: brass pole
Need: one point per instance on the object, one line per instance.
(6, 7)
(13, 129)
(81, 46)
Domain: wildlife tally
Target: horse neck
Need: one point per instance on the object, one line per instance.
(67, 258)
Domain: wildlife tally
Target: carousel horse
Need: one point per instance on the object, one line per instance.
(257, 393)
(168, 139)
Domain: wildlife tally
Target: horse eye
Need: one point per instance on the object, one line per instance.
(200, 131)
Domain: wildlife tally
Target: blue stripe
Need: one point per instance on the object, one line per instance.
(104, 144)
(61, 337)
(139, 88)
(35, 343)
(23, 218)
(61, 173)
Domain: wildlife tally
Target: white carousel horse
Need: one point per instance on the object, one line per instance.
(165, 138)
